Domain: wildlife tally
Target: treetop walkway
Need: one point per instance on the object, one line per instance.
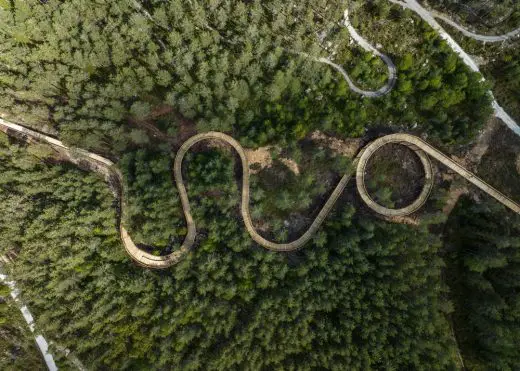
(424, 151)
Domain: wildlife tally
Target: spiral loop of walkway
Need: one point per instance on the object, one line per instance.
(364, 158)
(424, 151)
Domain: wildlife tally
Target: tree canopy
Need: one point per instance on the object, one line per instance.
(92, 70)
(485, 265)
(367, 296)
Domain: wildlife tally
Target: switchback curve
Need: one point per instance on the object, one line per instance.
(106, 168)
(363, 43)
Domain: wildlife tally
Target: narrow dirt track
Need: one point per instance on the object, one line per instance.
(106, 168)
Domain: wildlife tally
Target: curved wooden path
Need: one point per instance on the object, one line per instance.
(108, 170)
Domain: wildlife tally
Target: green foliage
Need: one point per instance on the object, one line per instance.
(139, 136)
(88, 68)
(505, 73)
(486, 262)
(436, 93)
(394, 176)
(220, 64)
(406, 63)
(153, 214)
(367, 295)
(445, 93)
(17, 347)
(364, 294)
(282, 197)
(488, 17)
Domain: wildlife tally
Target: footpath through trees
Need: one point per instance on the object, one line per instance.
(106, 168)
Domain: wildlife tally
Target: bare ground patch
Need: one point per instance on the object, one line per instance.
(291, 165)
(261, 158)
(347, 147)
(471, 160)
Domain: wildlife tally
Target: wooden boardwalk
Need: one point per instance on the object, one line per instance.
(105, 167)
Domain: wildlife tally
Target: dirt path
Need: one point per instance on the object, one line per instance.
(423, 150)
(363, 43)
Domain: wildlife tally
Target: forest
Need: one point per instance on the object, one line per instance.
(343, 302)
(17, 348)
(484, 267)
(228, 66)
(131, 80)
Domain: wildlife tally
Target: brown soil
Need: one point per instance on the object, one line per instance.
(160, 110)
(291, 165)
(409, 220)
(474, 156)
(346, 147)
(260, 157)
(500, 165)
(471, 160)
(397, 168)
(187, 129)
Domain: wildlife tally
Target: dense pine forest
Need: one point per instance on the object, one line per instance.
(484, 257)
(98, 73)
(230, 66)
(17, 348)
(132, 80)
(343, 302)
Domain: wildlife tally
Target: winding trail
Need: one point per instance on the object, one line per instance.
(423, 150)
(115, 178)
(363, 43)
(429, 18)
